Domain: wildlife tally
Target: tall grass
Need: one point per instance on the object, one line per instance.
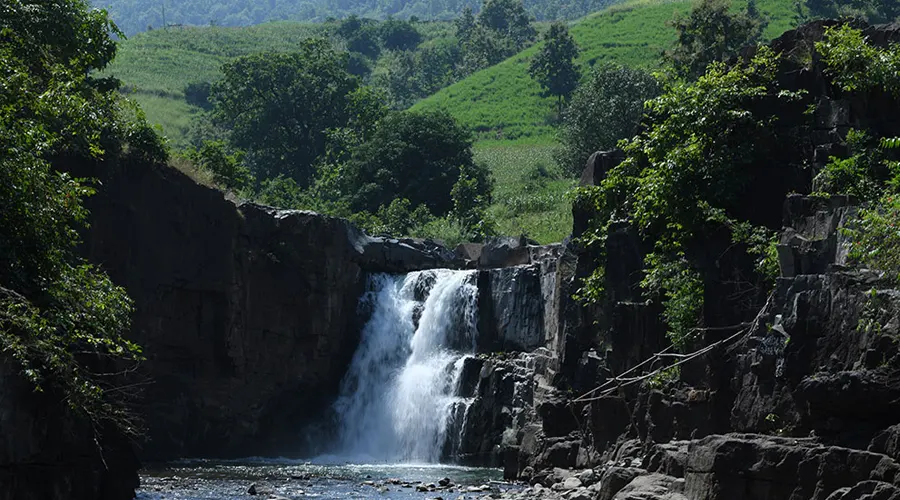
(531, 195)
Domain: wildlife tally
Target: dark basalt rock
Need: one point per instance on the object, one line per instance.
(748, 466)
(247, 313)
(49, 453)
(818, 359)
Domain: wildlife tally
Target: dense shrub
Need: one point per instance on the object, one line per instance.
(686, 174)
(605, 109)
(411, 155)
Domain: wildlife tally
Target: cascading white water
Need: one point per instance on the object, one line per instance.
(399, 391)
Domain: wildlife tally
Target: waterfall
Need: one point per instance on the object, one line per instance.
(399, 394)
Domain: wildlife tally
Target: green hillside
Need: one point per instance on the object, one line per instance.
(503, 102)
(156, 66)
(135, 16)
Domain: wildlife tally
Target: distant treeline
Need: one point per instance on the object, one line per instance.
(134, 16)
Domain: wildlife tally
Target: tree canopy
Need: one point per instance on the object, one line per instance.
(279, 107)
(711, 32)
(604, 109)
(134, 16)
(554, 65)
(59, 315)
(411, 155)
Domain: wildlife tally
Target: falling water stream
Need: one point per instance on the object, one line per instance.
(394, 412)
(400, 390)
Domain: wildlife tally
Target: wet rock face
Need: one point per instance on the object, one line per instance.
(47, 453)
(518, 305)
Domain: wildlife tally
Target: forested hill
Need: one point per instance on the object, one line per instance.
(134, 16)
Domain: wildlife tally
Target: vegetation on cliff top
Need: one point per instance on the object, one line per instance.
(694, 173)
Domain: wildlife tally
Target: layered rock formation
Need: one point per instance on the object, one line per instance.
(248, 314)
(796, 396)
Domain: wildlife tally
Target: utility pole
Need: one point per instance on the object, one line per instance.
(164, 14)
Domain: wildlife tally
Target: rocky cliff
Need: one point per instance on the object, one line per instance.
(47, 452)
(793, 394)
(247, 314)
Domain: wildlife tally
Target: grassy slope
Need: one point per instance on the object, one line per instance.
(503, 103)
(155, 66)
(530, 196)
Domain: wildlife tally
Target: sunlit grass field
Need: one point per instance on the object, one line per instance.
(531, 195)
(503, 102)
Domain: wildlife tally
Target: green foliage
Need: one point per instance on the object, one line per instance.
(278, 107)
(501, 29)
(42, 35)
(281, 192)
(412, 155)
(870, 173)
(399, 219)
(530, 194)
(226, 166)
(875, 11)
(712, 33)
(360, 36)
(135, 16)
(399, 35)
(856, 65)
(604, 110)
(684, 176)
(197, 94)
(553, 66)
(862, 175)
(875, 238)
(408, 76)
(470, 199)
(62, 319)
(508, 19)
(503, 103)
(664, 378)
(670, 278)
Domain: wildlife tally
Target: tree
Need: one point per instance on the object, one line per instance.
(62, 319)
(412, 155)
(711, 33)
(605, 109)
(465, 24)
(197, 94)
(554, 65)
(280, 106)
(226, 166)
(360, 36)
(470, 201)
(509, 19)
(399, 35)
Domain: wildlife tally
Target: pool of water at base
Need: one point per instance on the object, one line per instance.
(231, 480)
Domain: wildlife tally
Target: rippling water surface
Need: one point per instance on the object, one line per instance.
(227, 480)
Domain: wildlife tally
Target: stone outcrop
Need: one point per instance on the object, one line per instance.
(48, 453)
(797, 395)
